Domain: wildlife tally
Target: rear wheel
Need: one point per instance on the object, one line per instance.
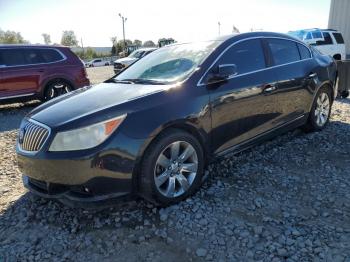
(56, 88)
(321, 110)
(172, 168)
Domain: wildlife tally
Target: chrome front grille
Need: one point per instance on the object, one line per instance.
(32, 136)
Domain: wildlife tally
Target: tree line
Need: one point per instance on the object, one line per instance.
(69, 39)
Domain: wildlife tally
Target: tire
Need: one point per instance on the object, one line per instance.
(164, 182)
(56, 88)
(320, 112)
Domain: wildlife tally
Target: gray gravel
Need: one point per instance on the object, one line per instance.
(285, 200)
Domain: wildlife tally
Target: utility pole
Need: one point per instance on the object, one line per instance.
(219, 24)
(123, 22)
(82, 45)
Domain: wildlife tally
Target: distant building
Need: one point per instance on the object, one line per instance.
(339, 19)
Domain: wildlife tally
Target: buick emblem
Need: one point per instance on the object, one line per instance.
(21, 135)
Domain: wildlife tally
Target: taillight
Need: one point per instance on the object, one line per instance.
(83, 71)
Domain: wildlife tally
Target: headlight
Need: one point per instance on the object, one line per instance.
(86, 137)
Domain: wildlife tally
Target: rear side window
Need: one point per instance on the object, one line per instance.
(248, 56)
(12, 57)
(50, 55)
(32, 56)
(339, 38)
(283, 51)
(304, 52)
(327, 40)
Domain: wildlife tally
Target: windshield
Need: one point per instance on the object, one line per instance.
(169, 64)
(136, 54)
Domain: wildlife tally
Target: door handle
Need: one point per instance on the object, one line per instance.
(269, 88)
(312, 75)
(41, 70)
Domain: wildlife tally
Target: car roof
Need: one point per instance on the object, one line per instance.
(32, 45)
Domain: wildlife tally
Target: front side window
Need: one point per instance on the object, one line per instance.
(169, 64)
(12, 57)
(283, 51)
(248, 56)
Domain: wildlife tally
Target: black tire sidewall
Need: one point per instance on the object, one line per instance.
(147, 185)
(51, 85)
(312, 118)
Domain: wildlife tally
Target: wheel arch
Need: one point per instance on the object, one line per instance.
(198, 133)
(53, 79)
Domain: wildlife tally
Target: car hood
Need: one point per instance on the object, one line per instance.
(88, 100)
(126, 60)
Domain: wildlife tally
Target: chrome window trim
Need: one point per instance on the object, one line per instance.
(200, 82)
(14, 96)
(48, 136)
(41, 48)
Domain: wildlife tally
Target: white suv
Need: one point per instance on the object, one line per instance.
(327, 41)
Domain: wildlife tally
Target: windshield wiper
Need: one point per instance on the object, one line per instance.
(142, 81)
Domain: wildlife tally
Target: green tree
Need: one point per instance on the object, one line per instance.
(114, 47)
(137, 42)
(69, 38)
(120, 45)
(47, 38)
(11, 37)
(149, 43)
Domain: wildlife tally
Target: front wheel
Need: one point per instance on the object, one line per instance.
(321, 110)
(172, 168)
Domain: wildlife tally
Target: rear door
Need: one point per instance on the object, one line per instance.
(22, 71)
(326, 46)
(294, 73)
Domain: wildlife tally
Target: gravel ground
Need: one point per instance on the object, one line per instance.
(285, 200)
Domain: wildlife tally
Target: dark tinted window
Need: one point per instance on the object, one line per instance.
(304, 52)
(283, 51)
(339, 38)
(327, 40)
(50, 55)
(32, 56)
(12, 57)
(248, 56)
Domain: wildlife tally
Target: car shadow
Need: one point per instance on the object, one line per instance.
(11, 115)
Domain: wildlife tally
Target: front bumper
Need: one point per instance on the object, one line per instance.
(93, 191)
(84, 176)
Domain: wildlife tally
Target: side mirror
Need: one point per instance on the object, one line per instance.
(223, 72)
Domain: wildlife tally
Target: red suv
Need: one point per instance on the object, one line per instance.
(37, 71)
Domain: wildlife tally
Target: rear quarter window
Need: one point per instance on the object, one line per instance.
(51, 55)
(304, 52)
(339, 38)
(283, 51)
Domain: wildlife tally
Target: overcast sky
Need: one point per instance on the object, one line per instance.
(96, 21)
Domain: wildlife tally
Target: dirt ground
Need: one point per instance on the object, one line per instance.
(285, 200)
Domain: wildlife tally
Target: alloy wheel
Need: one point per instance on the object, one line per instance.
(58, 89)
(322, 109)
(176, 169)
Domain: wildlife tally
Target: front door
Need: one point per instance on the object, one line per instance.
(244, 105)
